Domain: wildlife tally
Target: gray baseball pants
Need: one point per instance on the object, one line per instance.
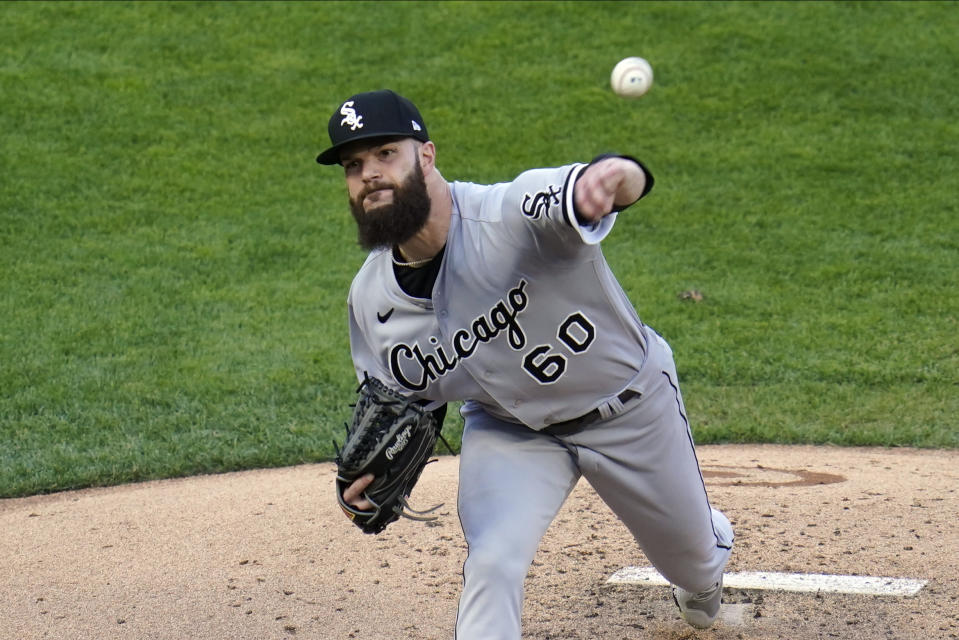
(640, 461)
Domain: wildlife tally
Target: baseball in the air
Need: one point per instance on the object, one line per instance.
(632, 77)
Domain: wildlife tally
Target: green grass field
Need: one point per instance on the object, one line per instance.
(174, 265)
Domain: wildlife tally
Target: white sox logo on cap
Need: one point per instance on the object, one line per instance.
(384, 114)
(354, 121)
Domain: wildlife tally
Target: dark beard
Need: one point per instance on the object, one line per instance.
(395, 223)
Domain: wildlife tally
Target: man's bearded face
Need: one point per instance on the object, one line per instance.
(397, 221)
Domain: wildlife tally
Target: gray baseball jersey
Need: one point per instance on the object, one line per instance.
(527, 320)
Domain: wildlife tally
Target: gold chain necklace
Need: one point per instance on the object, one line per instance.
(413, 264)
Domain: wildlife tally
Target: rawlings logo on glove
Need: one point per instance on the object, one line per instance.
(401, 441)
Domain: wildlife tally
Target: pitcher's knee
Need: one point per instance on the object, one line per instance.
(494, 569)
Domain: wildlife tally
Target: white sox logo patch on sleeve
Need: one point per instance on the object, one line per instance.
(536, 205)
(352, 120)
(416, 366)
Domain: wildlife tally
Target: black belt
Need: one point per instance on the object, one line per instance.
(568, 427)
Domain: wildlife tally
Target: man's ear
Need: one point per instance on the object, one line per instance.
(427, 157)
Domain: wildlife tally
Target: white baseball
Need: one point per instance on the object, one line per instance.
(632, 77)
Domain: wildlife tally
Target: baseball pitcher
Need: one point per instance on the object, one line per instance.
(499, 296)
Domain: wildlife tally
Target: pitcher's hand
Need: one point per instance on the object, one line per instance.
(609, 184)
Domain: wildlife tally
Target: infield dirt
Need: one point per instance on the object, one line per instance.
(267, 554)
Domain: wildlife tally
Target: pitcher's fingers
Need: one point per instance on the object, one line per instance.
(352, 495)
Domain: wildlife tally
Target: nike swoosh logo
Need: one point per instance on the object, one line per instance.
(383, 317)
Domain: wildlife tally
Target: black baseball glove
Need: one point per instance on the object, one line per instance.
(392, 437)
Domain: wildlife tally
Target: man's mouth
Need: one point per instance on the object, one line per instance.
(377, 196)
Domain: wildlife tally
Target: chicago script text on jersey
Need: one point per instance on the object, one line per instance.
(415, 369)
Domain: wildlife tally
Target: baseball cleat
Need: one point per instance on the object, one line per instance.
(699, 609)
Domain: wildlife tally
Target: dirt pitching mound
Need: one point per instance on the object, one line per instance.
(267, 554)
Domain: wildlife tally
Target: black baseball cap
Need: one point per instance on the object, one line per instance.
(373, 114)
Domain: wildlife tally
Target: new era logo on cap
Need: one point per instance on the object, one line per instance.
(370, 115)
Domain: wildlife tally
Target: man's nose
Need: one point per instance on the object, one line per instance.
(371, 171)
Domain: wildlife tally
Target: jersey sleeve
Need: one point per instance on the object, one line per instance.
(538, 208)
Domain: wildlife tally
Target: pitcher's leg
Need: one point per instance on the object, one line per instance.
(512, 483)
(643, 464)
